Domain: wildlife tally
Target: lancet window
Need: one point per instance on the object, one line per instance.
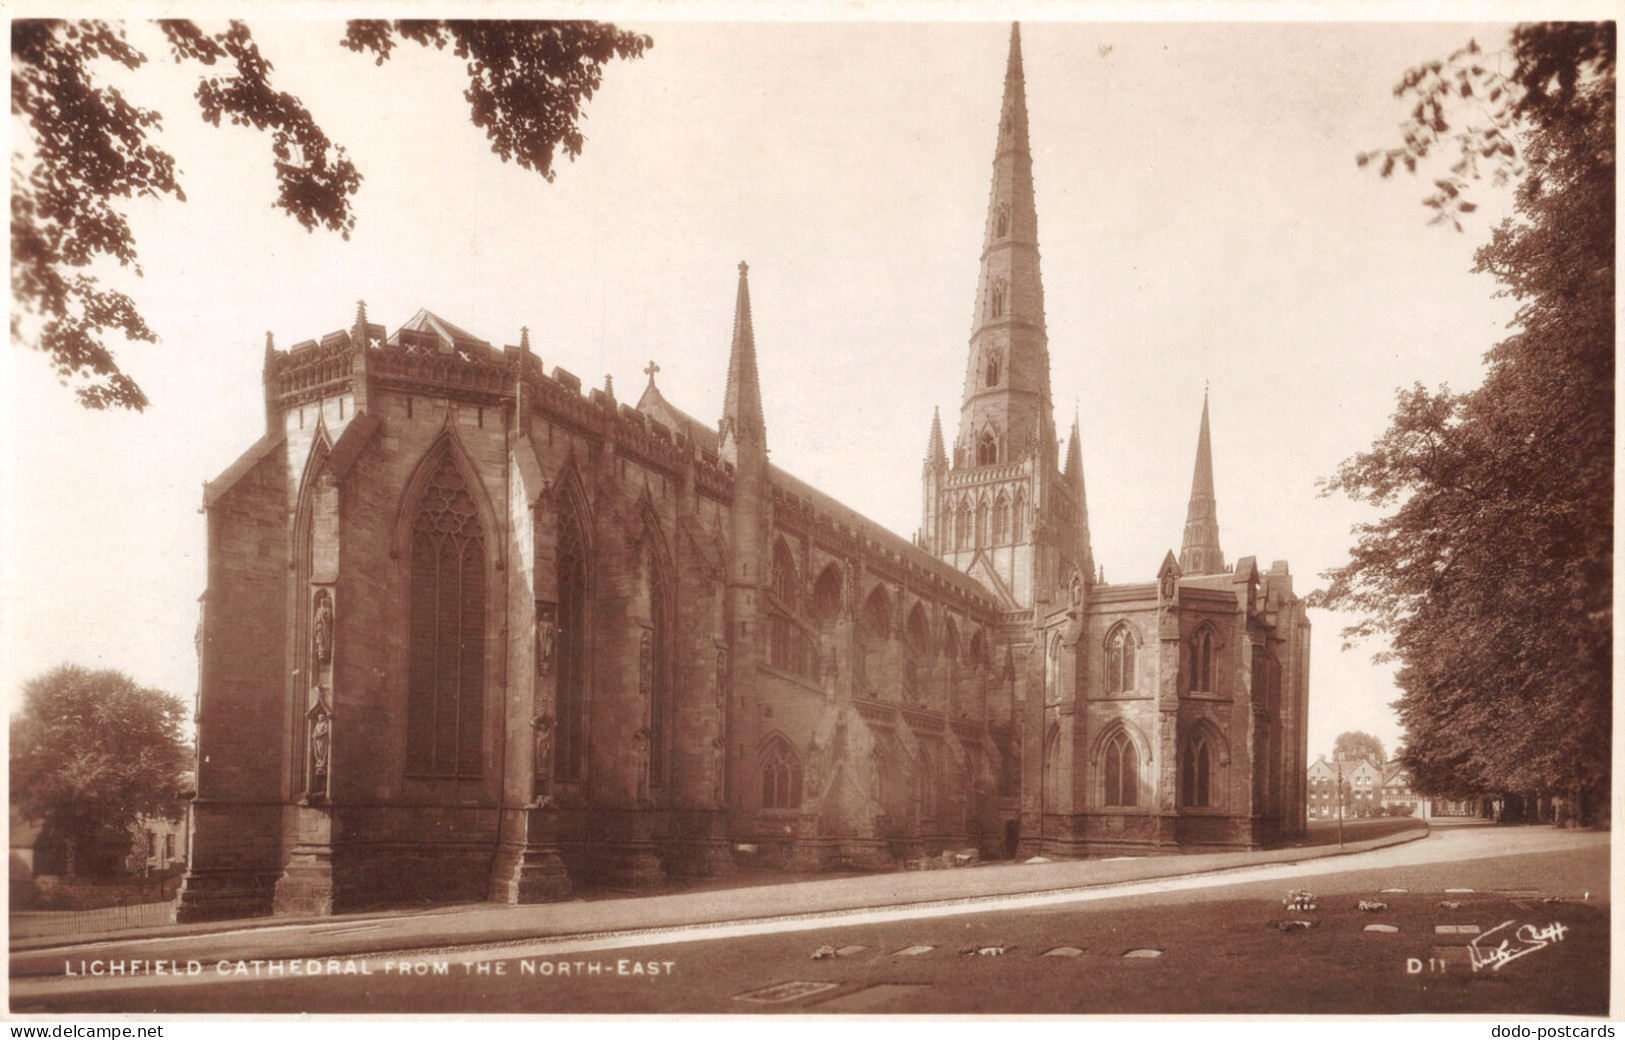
(781, 776)
(1121, 771)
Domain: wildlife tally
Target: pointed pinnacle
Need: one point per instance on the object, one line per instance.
(742, 403)
(524, 338)
(935, 454)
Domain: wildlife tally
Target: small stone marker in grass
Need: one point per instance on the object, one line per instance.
(1381, 928)
(1146, 954)
(1063, 951)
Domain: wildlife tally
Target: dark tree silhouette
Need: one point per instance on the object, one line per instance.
(91, 752)
(1492, 576)
(86, 147)
(1357, 746)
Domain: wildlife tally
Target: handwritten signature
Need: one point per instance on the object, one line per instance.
(1526, 940)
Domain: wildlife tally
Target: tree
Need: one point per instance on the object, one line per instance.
(1492, 576)
(91, 752)
(1358, 746)
(87, 147)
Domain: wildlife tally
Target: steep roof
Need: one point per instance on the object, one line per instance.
(655, 405)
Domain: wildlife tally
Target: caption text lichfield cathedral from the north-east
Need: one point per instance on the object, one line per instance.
(471, 633)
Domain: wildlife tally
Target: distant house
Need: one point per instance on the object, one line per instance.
(1396, 791)
(1362, 788)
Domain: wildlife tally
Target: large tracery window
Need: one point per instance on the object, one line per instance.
(1001, 520)
(1120, 648)
(781, 777)
(962, 529)
(569, 762)
(446, 640)
(1122, 771)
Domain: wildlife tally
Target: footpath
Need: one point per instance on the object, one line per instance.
(371, 935)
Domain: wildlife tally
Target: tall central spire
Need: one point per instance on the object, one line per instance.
(1006, 408)
(1200, 553)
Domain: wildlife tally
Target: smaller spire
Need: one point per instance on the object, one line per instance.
(1014, 66)
(1200, 552)
(524, 338)
(361, 322)
(742, 402)
(1074, 454)
(936, 457)
(609, 386)
(270, 348)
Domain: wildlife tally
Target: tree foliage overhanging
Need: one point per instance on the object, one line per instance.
(89, 148)
(91, 753)
(1492, 574)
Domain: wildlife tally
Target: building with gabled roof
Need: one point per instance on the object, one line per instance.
(471, 632)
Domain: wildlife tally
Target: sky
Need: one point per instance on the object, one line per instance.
(1202, 221)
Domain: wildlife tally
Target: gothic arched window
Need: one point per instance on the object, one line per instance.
(1001, 520)
(1018, 520)
(786, 579)
(962, 528)
(1120, 647)
(781, 776)
(1001, 293)
(826, 601)
(1002, 224)
(1202, 660)
(1121, 771)
(570, 758)
(445, 687)
(987, 449)
(876, 620)
(992, 372)
(981, 523)
(1196, 772)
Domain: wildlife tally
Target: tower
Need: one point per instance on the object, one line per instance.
(1003, 512)
(1200, 552)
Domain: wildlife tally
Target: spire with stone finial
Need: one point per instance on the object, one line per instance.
(936, 456)
(1200, 553)
(524, 338)
(742, 420)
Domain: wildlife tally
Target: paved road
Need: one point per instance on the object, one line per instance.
(1209, 944)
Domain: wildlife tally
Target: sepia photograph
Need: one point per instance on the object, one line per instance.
(919, 511)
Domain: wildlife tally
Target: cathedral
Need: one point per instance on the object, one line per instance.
(472, 632)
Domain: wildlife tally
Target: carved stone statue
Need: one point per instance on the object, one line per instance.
(813, 778)
(542, 760)
(322, 623)
(640, 747)
(719, 771)
(547, 627)
(318, 744)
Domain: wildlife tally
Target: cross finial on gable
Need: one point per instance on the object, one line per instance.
(650, 369)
